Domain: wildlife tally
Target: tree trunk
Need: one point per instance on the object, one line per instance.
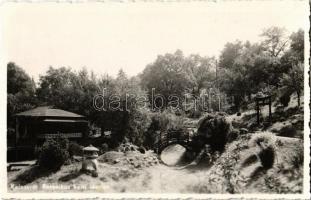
(298, 96)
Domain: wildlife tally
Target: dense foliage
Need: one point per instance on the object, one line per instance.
(214, 129)
(53, 154)
(21, 91)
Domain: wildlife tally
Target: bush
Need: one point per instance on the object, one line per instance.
(139, 123)
(215, 129)
(265, 144)
(75, 149)
(285, 98)
(288, 131)
(162, 122)
(195, 114)
(53, 153)
(297, 157)
(233, 135)
(104, 148)
(165, 120)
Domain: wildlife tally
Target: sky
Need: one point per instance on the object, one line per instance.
(105, 37)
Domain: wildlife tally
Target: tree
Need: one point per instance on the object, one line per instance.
(167, 76)
(230, 52)
(297, 44)
(293, 81)
(295, 54)
(274, 41)
(68, 90)
(293, 64)
(20, 90)
(246, 75)
(200, 71)
(52, 86)
(18, 80)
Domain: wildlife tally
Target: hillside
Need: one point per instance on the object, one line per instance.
(237, 170)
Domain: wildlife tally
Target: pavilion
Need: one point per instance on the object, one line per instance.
(34, 126)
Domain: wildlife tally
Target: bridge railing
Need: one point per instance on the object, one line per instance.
(163, 139)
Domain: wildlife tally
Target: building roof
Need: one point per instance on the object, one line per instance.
(46, 111)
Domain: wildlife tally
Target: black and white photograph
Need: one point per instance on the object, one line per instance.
(147, 97)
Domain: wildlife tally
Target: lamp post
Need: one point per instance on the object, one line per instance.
(90, 164)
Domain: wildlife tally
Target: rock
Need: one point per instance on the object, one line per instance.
(142, 150)
(137, 165)
(110, 156)
(116, 161)
(94, 174)
(282, 119)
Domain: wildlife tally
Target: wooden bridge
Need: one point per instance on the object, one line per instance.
(164, 139)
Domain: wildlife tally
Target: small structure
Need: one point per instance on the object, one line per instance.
(90, 164)
(32, 127)
(46, 122)
(262, 100)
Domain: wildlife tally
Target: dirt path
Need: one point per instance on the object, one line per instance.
(159, 179)
(162, 178)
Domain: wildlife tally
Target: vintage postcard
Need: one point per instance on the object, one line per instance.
(155, 99)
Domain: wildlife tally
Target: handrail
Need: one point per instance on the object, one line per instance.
(163, 139)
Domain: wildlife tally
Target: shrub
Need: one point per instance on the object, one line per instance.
(265, 144)
(287, 131)
(285, 98)
(139, 123)
(167, 120)
(162, 122)
(53, 153)
(104, 148)
(233, 135)
(215, 129)
(195, 114)
(75, 149)
(296, 159)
